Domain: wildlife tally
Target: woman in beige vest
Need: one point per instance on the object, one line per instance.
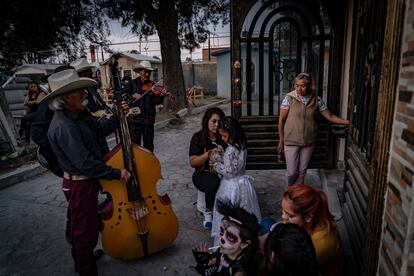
(297, 127)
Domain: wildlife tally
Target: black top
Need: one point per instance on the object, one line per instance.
(197, 147)
(44, 115)
(40, 124)
(33, 108)
(146, 104)
(78, 140)
(222, 266)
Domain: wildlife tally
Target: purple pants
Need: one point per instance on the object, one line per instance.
(297, 161)
(82, 197)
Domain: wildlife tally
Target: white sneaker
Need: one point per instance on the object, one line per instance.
(208, 220)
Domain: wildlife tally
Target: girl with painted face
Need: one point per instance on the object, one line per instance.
(238, 244)
(235, 185)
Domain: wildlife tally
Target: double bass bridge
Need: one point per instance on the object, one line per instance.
(138, 212)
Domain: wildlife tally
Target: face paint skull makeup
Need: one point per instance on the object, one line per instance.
(238, 244)
(231, 244)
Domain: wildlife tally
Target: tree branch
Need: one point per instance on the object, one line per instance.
(147, 8)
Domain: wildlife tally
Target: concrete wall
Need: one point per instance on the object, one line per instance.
(397, 248)
(223, 76)
(202, 74)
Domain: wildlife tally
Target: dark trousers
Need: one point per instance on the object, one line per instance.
(208, 183)
(146, 132)
(82, 197)
(25, 124)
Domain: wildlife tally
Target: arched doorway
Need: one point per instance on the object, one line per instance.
(280, 39)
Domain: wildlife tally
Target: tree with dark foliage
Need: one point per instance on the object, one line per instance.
(178, 23)
(30, 30)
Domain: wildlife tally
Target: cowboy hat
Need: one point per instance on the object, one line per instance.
(58, 69)
(81, 65)
(145, 64)
(67, 81)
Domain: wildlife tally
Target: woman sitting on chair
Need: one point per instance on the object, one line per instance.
(203, 144)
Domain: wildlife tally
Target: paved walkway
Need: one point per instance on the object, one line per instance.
(32, 215)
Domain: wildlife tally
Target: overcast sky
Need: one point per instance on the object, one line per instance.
(151, 47)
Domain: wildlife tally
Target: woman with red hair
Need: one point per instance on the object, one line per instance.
(308, 207)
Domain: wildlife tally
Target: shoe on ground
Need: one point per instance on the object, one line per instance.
(208, 218)
(207, 225)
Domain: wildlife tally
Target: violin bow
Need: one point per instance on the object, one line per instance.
(150, 89)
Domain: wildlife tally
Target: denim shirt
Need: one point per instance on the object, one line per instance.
(78, 140)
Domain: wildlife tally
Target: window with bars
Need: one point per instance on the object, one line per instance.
(127, 73)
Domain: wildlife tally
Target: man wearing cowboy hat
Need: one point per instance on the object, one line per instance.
(76, 137)
(85, 69)
(142, 125)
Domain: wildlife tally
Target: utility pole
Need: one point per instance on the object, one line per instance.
(209, 52)
(102, 52)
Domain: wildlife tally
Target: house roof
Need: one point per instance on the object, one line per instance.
(220, 52)
(136, 57)
(34, 69)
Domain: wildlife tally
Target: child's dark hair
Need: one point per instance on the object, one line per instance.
(293, 252)
(204, 122)
(237, 137)
(249, 224)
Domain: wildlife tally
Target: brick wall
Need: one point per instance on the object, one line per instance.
(397, 248)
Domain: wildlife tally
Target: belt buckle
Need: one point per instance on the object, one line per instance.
(69, 176)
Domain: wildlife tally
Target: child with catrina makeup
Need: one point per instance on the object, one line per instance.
(235, 255)
(235, 185)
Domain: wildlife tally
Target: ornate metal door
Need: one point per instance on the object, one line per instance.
(273, 41)
(368, 37)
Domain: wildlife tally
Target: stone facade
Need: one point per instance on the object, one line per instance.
(397, 248)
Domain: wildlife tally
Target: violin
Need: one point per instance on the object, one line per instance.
(154, 88)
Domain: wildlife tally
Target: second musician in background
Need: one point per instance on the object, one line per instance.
(141, 126)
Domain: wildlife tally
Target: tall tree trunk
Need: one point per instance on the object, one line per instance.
(167, 29)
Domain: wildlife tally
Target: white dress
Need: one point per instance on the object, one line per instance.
(235, 186)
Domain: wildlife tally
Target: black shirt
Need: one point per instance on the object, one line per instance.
(44, 115)
(197, 146)
(40, 124)
(78, 140)
(146, 104)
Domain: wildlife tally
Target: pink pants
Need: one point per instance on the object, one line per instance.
(297, 161)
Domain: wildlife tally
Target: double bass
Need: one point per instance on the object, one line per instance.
(142, 221)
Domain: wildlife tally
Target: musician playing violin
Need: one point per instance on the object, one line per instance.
(142, 125)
